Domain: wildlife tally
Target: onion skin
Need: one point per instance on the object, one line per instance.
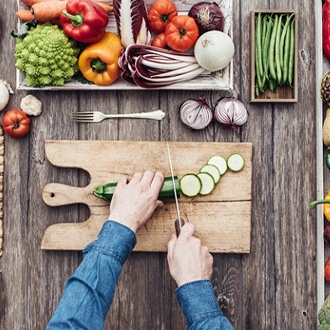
(208, 16)
(196, 113)
(326, 234)
(230, 112)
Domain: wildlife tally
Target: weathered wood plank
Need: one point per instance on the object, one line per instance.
(272, 287)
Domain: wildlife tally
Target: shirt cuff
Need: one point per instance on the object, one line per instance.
(197, 301)
(114, 239)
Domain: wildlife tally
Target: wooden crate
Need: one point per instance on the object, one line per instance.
(282, 93)
(221, 80)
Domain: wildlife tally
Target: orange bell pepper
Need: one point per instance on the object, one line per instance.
(326, 206)
(98, 62)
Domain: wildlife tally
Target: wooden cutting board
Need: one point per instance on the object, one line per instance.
(222, 219)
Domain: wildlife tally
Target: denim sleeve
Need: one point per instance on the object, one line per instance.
(200, 307)
(88, 293)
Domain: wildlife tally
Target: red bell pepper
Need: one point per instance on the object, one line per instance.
(326, 28)
(84, 21)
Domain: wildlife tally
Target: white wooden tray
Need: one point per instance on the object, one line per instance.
(220, 80)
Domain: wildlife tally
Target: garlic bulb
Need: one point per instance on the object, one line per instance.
(5, 90)
(230, 112)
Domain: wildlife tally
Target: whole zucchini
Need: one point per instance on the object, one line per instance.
(166, 192)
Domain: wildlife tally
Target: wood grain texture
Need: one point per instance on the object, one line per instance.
(272, 287)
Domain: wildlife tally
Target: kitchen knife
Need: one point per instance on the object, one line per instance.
(179, 222)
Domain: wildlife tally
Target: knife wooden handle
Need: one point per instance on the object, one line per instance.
(178, 225)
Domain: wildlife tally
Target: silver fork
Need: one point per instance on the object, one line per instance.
(97, 116)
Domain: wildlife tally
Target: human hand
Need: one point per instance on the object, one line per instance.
(187, 258)
(133, 203)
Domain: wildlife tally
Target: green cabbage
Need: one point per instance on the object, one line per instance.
(46, 56)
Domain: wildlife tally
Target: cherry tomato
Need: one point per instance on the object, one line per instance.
(160, 14)
(159, 41)
(181, 33)
(16, 123)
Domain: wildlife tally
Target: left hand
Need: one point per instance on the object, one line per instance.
(134, 202)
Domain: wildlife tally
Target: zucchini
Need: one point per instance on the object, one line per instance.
(235, 162)
(166, 192)
(190, 185)
(208, 183)
(213, 170)
(219, 162)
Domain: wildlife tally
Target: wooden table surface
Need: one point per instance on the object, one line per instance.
(272, 287)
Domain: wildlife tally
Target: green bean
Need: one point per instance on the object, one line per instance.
(258, 77)
(265, 48)
(283, 34)
(291, 54)
(272, 49)
(272, 85)
(277, 50)
(264, 30)
(286, 55)
(258, 44)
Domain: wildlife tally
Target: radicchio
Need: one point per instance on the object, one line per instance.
(132, 22)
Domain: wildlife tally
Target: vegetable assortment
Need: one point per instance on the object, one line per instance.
(274, 51)
(140, 30)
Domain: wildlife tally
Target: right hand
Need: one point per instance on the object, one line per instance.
(188, 259)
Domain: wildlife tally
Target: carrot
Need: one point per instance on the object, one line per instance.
(47, 10)
(33, 2)
(105, 6)
(24, 15)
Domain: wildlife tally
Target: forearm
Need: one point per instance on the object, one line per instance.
(89, 292)
(200, 307)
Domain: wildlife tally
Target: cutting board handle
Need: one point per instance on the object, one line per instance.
(56, 194)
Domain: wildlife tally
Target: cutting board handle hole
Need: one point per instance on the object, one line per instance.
(52, 195)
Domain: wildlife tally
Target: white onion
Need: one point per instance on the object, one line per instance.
(196, 113)
(214, 50)
(230, 112)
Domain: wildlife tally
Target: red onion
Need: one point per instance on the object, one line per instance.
(196, 113)
(230, 112)
(326, 234)
(208, 16)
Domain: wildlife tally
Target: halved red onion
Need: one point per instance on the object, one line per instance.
(230, 112)
(196, 113)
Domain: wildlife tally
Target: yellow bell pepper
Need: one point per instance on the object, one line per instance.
(326, 206)
(98, 62)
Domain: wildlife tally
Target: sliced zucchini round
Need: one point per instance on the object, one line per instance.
(213, 170)
(220, 162)
(208, 183)
(190, 185)
(235, 162)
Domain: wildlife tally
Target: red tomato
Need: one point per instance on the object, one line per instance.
(159, 41)
(181, 33)
(16, 123)
(160, 14)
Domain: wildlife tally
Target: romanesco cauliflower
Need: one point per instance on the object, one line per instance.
(324, 315)
(46, 56)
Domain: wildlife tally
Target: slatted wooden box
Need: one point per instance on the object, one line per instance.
(283, 93)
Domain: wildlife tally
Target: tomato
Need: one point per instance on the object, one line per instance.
(16, 123)
(159, 41)
(181, 33)
(160, 14)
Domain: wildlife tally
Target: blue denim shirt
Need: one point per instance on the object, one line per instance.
(88, 293)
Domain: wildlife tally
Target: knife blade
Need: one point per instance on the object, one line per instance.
(179, 222)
